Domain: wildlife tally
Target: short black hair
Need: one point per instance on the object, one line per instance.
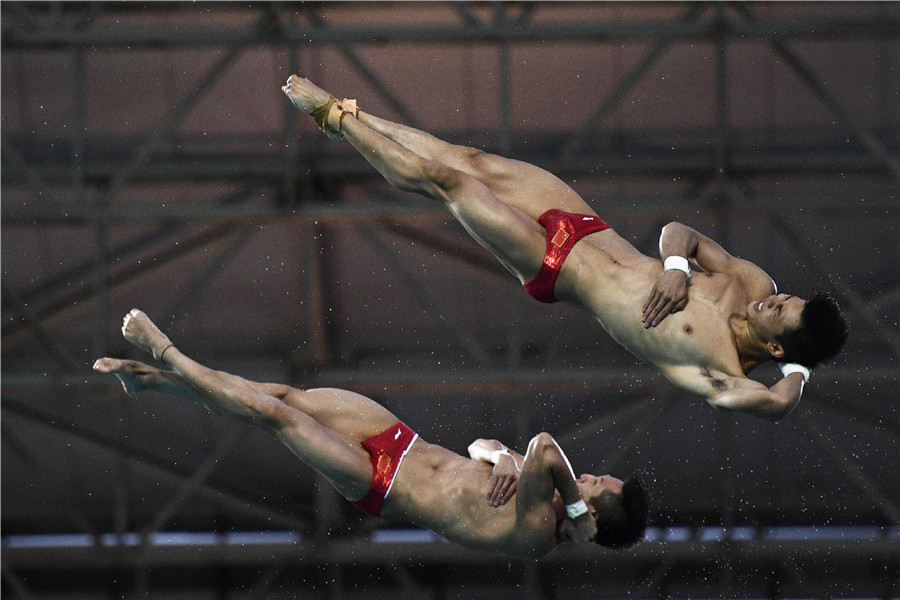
(821, 335)
(622, 518)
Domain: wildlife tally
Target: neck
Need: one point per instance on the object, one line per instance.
(750, 349)
(750, 339)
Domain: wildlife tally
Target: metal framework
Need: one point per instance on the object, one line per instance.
(100, 184)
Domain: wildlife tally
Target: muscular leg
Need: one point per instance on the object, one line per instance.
(520, 185)
(509, 232)
(515, 183)
(326, 435)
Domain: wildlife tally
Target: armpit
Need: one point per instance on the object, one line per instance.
(717, 383)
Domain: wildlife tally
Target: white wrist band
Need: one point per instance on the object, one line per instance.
(576, 509)
(496, 454)
(678, 263)
(788, 368)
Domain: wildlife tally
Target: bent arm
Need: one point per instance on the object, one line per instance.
(677, 239)
(727, 392)
(770, 403)
(545, 471)
(670, 292)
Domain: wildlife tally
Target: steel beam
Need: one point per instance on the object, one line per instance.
(496, 379)
(404, 209)
(612, 100)
(135, 37)
(158, 467)
(306, 553)
(432, 301)
(350, 169)
(852, 470)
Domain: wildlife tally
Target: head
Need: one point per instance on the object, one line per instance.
(821, 334)
(620, 509)
(808, 332)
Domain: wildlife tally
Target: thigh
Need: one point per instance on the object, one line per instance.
(512, 235)
(347, 413)
(325, 428)
(524, 186)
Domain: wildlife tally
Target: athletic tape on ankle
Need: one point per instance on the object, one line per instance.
(576, 509)
(320, 115)
(678, 263)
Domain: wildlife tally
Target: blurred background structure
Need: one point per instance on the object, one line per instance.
(149, 159)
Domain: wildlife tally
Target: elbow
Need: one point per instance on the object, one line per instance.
(771, 410)
(778, 408)
(672, 227)
(541, 443)
(780, 411)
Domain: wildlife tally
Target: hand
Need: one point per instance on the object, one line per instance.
(582, 528)
(505, 480)
(669, 295)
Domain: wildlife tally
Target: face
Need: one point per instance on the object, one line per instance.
(772, 316)
(591, 486)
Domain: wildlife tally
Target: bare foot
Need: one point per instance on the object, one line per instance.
(143, 333)
(130, 372)
(305, 95)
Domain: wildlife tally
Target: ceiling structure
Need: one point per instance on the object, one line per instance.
(150, 160)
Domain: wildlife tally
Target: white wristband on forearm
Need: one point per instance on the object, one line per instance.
(496, 454)
(788, 368)
(576, 509)
(678, 263)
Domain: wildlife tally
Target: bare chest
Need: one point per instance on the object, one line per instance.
(450, 498)
(701, 334)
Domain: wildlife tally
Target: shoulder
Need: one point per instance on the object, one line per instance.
(753, 278)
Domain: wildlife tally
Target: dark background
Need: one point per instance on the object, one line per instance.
(150, 160)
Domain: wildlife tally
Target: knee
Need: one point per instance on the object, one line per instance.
(278, 390)
(444, 178)
(271, 413)
(484, 165)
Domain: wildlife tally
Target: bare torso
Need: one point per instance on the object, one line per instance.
(447, 493)
(611, 279)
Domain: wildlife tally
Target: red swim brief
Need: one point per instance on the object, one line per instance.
(386, 451)
(563, 231)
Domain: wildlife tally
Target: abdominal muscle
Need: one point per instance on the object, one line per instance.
(447, 493)
(612, 280)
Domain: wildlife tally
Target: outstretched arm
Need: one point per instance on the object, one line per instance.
(679, 243)
(546, 470)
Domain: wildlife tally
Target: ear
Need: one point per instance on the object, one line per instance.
(775, 349)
